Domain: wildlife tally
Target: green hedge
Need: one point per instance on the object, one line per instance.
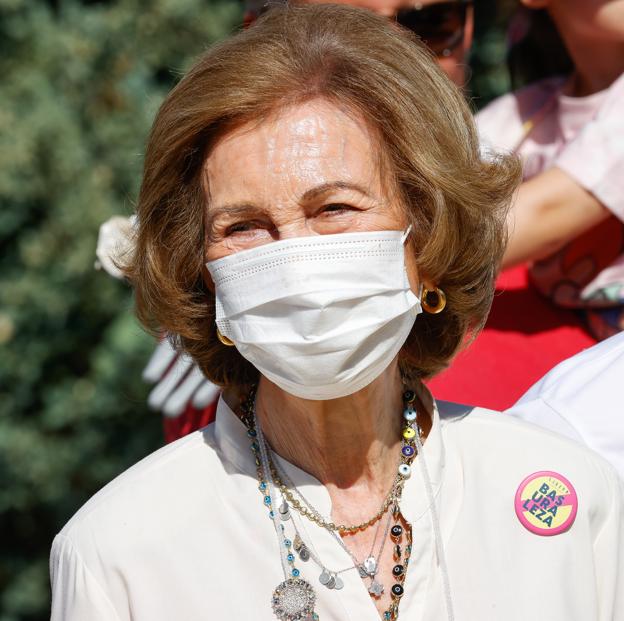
(78, 90)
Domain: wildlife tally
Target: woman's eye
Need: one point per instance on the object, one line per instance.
(336, 208)
(241, 227)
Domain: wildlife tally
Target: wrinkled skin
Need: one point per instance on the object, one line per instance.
(313, 169)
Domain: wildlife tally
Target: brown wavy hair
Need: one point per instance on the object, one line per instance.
(455, 200)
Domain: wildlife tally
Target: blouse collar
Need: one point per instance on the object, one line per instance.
(233, 443)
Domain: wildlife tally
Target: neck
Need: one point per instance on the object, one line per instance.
(597, 62)
(588, 81)
(344, 443)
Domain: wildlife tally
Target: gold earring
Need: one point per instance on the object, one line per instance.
(439, 306)
(224, 339)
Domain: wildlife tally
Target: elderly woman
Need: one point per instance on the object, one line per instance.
(310, 187)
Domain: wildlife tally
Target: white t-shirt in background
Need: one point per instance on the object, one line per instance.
(583, 398)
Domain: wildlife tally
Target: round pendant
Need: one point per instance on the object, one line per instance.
(397, 590)
(405, 470)
(324, 577)
(370, 564)
(409, 415)
(408, 450)
(293, 600)
(408, 433)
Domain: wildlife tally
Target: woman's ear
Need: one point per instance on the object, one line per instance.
(535, 4)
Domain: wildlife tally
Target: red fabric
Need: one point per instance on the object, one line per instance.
(190, 420)
(525, 336)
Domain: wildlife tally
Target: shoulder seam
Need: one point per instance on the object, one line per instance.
(90, 574)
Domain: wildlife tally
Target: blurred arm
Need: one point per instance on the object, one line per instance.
(550, 210)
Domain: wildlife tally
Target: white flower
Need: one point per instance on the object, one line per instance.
(115, 241)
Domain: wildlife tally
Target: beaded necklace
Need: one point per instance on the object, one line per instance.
(294, 598)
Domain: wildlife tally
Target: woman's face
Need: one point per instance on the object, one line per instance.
(312, 169)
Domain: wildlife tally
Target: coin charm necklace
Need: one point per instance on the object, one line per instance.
(294, 598)
(366, 569)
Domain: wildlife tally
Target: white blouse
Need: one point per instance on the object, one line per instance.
(184, 535)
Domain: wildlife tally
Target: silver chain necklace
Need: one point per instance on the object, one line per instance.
(367, 568)
(293, 599)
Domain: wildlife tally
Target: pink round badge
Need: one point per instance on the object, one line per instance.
(546, 503)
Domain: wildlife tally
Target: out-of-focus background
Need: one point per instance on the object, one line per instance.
(79, 85)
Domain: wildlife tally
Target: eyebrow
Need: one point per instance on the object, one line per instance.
(325, 188)
(234, 210)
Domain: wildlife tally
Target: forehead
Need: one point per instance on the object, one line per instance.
(291, 151)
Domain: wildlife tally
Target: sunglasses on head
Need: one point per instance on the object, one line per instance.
(440, 26)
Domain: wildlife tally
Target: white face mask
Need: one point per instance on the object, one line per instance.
(319, 316)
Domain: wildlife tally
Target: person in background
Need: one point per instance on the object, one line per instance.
(444, 26)
(582, 398)
(569, 131)
(181, 393)
(567, 223)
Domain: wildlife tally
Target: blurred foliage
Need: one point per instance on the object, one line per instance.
(489, 75)
(80, 85)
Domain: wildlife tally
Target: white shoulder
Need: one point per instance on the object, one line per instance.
(582, 399)
(154, 489)
(496, 442)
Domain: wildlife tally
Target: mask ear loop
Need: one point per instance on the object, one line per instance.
(405, 235)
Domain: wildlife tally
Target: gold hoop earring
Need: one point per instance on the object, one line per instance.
(224, 339)
(435, 308)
